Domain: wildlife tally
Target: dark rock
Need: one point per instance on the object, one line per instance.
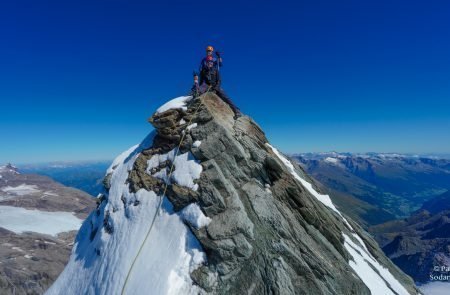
(180, 196)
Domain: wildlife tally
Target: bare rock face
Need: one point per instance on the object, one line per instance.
(31, 261)
(269, 234)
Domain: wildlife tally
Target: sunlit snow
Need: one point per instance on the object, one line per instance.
(325, 199)
(191, 126)
(20, 220)
(194, 216)
(176, 103)
(378, 280)
(21, 190)
(186, 168)
(331, 160)
(170, 253)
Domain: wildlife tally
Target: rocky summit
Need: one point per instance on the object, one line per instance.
(224, 212)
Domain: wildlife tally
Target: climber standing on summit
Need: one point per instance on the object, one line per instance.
(209, 56)
(210, 77)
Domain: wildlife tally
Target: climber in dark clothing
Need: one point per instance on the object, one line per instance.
(217, 63)
(209, 56)
(210, 77)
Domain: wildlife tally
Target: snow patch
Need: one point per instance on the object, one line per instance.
(20, 220)
(197, 143)
(331, 160)
(191, 126)
(21, 190)
(49, 193)
(363, 264)
(121, 158)
(324, 199)
(194, 216)
(17, 249)
(186, 168)
(176, 103)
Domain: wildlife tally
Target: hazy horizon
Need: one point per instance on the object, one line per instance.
(92, 161)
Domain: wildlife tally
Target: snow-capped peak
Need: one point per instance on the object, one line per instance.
(331, 160)
(216, 213)
(9, 168)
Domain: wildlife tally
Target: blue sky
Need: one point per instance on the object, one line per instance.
(78, 79)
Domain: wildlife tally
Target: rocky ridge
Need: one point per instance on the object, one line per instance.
(262, 225)
(268, 234)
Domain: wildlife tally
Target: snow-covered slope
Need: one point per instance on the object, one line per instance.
(221, 213)
(171, 251)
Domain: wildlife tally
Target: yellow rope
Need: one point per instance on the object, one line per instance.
(160, 199)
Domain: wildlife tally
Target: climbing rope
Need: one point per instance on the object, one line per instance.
(161, 197)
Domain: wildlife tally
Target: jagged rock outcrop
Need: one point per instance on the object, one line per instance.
(261, 226)
(268, 234)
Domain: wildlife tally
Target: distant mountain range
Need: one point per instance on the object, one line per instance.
(403, 200)
(421, 242)
(374, 187)
(86, 176)
(321, 155)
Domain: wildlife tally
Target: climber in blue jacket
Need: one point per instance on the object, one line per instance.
(209, 56)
